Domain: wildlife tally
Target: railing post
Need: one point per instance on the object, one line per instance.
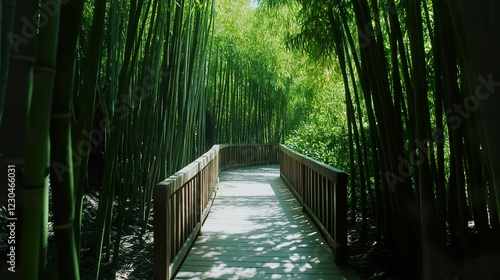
(305, 184)
(340, 219)
(199, 189)
(161, 229)
(271, 153)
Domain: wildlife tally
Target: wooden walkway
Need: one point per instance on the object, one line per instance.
(256, 230)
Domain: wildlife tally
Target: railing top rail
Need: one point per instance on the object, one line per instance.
(181, 177)
(323, 168)
(245, 144)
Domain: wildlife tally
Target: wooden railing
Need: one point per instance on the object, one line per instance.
(182, 201)
(322, 191)
(235, 155)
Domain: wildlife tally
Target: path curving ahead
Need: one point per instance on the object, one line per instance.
(256, 230)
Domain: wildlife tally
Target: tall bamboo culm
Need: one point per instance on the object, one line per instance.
(38, 88)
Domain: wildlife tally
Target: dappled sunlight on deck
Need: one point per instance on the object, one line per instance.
(256, 230)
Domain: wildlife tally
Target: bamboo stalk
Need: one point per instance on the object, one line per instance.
(35, 211)
(7, 23)
(85, 119)
(20, 49)
(62, 185)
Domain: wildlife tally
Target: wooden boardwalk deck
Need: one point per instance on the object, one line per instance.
(256, 230)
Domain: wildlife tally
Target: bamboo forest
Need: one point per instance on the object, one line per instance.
(102, 100)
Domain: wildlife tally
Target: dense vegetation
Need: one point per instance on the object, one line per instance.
(110, 97)
(122, 81)
(419, 81)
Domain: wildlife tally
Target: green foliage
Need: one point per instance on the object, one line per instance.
(321, 142)
(250, 57)
(249, 81)
(319, 106)
(405, 70)
(129, 87)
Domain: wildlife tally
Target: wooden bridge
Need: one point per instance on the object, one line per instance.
(214, 220)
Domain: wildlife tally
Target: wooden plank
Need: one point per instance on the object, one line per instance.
(264, 268)
(257, 230)
(252, 274)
